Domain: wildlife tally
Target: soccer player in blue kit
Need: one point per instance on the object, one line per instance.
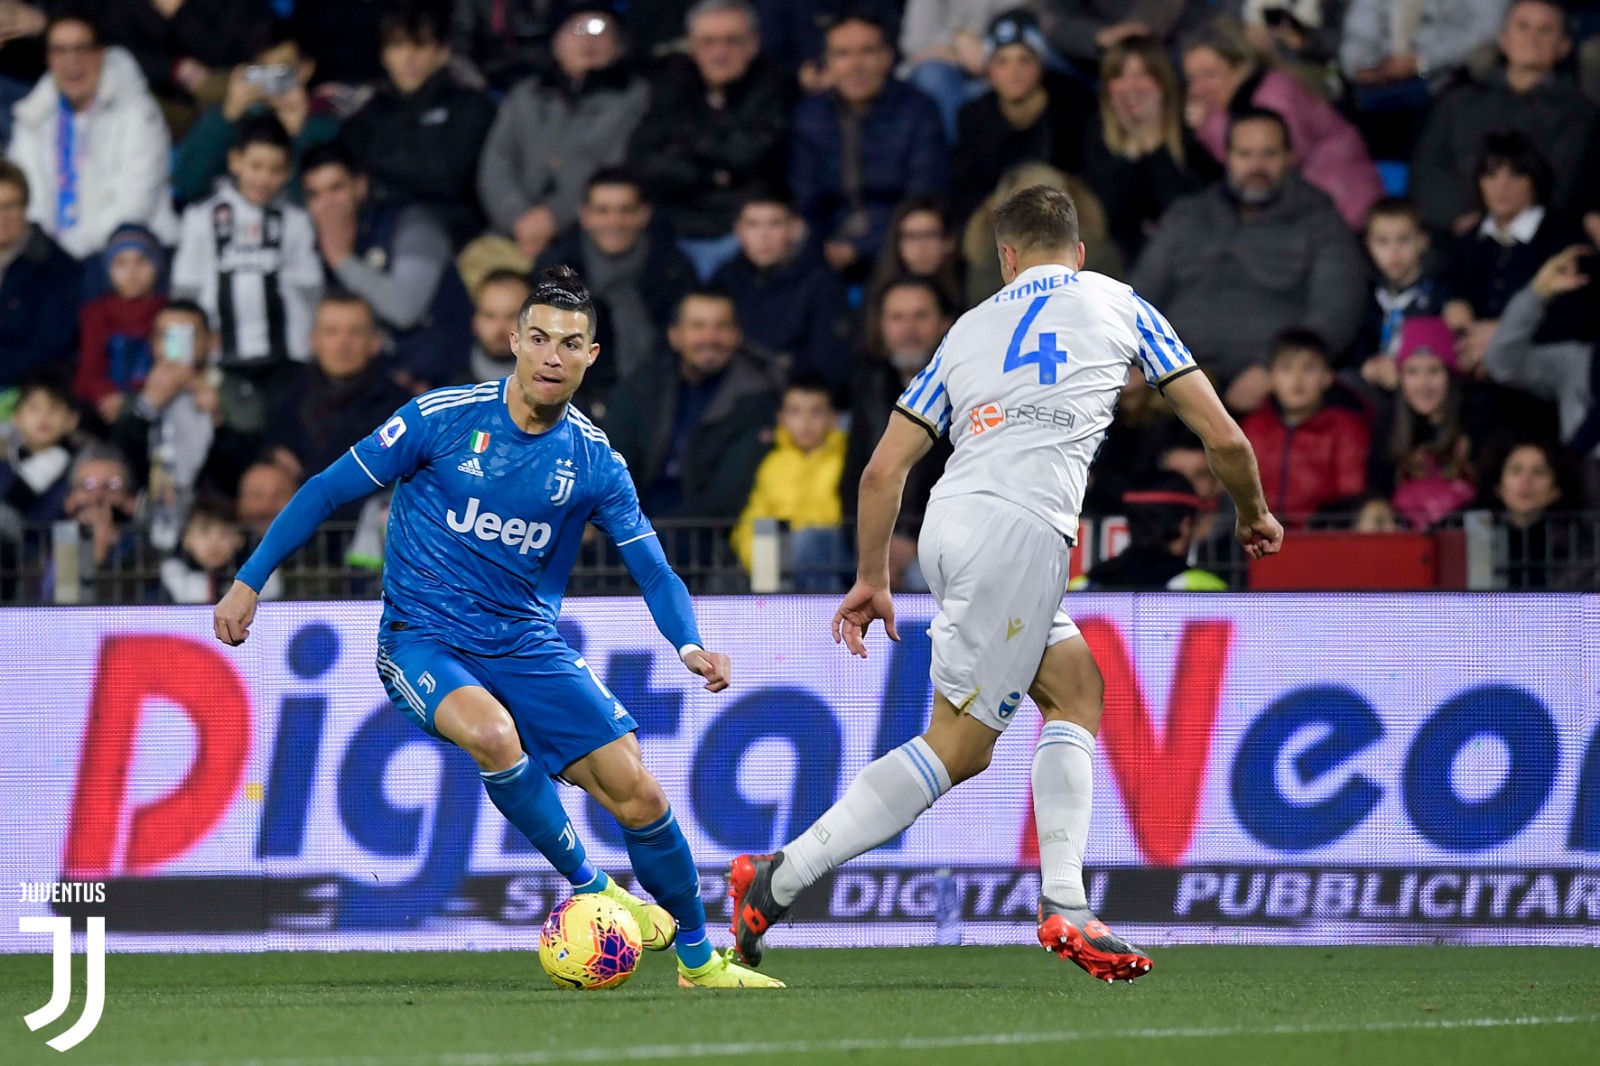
(495, 485)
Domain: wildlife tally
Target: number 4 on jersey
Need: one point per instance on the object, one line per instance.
(1047, 356)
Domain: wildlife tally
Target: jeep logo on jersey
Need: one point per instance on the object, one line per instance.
(508, 531)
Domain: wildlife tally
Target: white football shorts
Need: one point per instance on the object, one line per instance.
(999, 573)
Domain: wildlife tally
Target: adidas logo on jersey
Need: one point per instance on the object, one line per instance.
(524, 535)
(472, 466)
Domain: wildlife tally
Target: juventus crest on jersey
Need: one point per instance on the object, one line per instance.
(256, 272)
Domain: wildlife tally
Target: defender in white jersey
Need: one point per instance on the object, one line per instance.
(1026, 385)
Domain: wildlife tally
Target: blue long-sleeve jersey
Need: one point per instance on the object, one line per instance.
(486, 521)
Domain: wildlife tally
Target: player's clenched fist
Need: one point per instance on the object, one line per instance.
(231, 620)
(1264, 536)
(711, 665)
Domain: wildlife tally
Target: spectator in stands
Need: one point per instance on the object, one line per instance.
(203, 566)
(1082, 29)
(798, 484)
(1162, 512)
(264, 489)
(1310, 452)
(93, 113)
(1227, 78)
(788, 301)
(1139, 158)
(39, 289)
(556, 129)
(920, 243)
(275, 81)
(1430, 454)
(716, 130)
(1375, 514)
(502, 41)
(38, 458)
(102, 499)
(912, 315)
(1540, 553)
(186, 47)
(166, 431)
(694, 426)
(22, 26)
(1028, 115)
(418, 139)
(1253, 255)
(1398, 55)
(941, 45)
(1491, 262)
(1527, 94)
(1141, 429)
(794, 32)
(494, 320)
(341, 397)
(114, 329)
(1556, 371)
(1301, 35)
(863, 146)
(635, 274)
(249, 257)
(397, 258)
(1398, 246)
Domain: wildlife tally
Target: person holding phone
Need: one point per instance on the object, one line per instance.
(275, 81)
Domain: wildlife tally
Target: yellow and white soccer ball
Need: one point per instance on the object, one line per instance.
(589, 942)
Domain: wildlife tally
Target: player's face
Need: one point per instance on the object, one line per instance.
(1527, 484)
(1015, 72)
(494, 321)
(1506, 194)
(554, 348)
(722, 45)
(1534, 37)
(614, 217)
(1396, 245)
(767, 233)
(858, 61)
(1257, 161)
(706, 335)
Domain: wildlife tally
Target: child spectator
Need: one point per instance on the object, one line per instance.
(1398, 243)
(202, 567)
(494, 319)
(798, 483)
(250, 259)
(787, 299)
(38, 453)
(1309, 453)
(1429, 451)
(114, 329)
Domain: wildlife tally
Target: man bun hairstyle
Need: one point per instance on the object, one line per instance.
(1037, 217)
(562, 288)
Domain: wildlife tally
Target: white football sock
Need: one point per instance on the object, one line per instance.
(1063, 791)
(885, 798)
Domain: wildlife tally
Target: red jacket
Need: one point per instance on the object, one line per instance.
(1321, 460)
(113, 329)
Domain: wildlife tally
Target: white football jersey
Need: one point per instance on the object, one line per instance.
(1026, 384)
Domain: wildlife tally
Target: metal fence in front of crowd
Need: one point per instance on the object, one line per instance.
(1480, 551)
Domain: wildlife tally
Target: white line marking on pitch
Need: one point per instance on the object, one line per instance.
(650, 1052)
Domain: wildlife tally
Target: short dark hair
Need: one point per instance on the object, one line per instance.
(615, 176)
(1397, 207)
(560, 287)
(263, 128)
(1156, 506)
(343, 297)
(412, 20)
(764, 195)
(13, 175)
(1517, 152)
(49, 384)
(809, 381)
(1261, 114)
(1300, 339)
(1037, 217)
(704, 292)
(916, 281)
(78, 13)
(329, 154)
(190, 308)
(851, 13)
(209, 507)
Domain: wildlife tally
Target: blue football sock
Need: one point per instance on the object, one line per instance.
(665, 868)
(529, 801)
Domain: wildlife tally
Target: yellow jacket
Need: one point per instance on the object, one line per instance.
(800, 488)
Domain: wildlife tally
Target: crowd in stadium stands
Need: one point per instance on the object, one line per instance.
(236, 234)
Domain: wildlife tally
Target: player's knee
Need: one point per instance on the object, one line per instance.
(493, 743)
(646, 802)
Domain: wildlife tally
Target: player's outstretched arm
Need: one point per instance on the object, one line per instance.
(344, 481)
(1232, 460)
(671, 608)
(904, 443)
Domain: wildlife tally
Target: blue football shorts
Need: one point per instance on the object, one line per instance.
(561, 708)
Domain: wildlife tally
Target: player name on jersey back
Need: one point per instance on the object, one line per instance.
(1026, 384)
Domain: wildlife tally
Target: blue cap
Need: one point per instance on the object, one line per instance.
(1015, 27)
(140, 240)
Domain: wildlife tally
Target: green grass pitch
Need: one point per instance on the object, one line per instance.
(966, 1006)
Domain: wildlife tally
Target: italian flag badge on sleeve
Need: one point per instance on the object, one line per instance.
(480, 441)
